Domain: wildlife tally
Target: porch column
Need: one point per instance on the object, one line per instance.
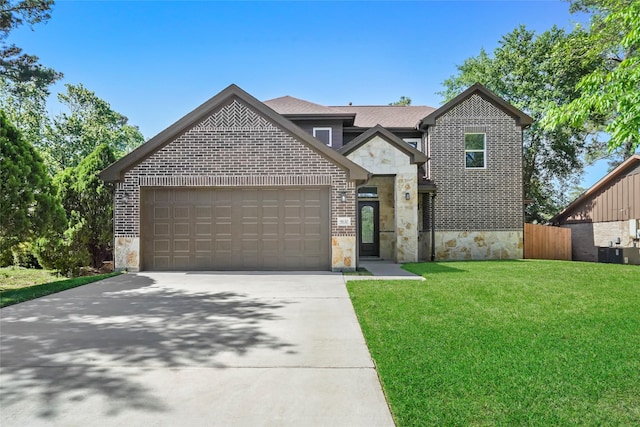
(406, 213)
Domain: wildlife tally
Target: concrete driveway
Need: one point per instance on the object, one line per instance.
(190, 349)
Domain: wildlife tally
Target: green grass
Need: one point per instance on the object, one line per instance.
(533, 343)
(18, 285)
(19, 277)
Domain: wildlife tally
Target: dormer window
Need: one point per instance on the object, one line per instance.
(414, 142)
(324, 135)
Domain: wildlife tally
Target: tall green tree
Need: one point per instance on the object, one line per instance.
(24, 82)
(89, 123)
(88, 202)
(533, 71)
(612, 90)
(28, 205)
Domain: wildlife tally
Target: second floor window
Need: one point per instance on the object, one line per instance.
(414, 142)
(475, 150)
(324, 135)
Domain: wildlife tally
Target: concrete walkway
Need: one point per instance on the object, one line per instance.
(190, 349)
(384, 270)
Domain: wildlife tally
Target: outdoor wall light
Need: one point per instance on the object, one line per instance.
(343, 196)
(407, 196)
(126, 196)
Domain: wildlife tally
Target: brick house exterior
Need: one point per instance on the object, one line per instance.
(241, 184)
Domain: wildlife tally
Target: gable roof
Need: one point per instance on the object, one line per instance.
(115, 171)
(388, 116)
(288, 105)
(608, 178)
(366, 116)
(414, 155)
(522, 119)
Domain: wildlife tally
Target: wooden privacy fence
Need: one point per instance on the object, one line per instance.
(545, 242)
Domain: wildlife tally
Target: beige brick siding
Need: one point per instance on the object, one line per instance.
(234, 147)
(481, 199)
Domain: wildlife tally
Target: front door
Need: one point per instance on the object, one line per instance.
(368, 218)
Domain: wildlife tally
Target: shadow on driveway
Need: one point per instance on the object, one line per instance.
(74, 345)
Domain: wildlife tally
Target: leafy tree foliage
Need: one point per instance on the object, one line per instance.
(612, 90)
(88, 202)
(28, 205)
(404, 100)
(24, 83)
(533, 72)
(14, 64)
(89, 123)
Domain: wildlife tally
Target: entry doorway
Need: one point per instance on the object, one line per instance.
(369, 233)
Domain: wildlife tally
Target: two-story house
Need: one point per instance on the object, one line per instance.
(287, 184)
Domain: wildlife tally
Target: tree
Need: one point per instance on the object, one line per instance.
(89, 123)
(24, 83)
(14, 64)
(88, 202)
(612, 90)
(404, 100)
(532, 72)
(28, 205)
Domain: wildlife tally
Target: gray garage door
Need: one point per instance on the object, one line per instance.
(235, 229)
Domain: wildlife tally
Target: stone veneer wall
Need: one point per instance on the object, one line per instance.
(234, 147)
(479, 212)
(588, 236)
(385, 185)
(381, 158)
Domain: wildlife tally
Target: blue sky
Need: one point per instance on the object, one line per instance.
(156, 61)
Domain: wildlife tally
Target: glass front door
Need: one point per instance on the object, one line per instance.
(368, 218)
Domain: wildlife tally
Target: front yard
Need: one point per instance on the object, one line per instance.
(24, 284)
(507, 343)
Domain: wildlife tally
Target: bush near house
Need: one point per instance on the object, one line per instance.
(507, 343)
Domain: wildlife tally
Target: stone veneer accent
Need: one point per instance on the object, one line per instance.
(381, 158)
(235, 146)
(587, 237)
(478, 245)
(479, 200)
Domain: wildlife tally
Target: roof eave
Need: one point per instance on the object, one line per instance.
(415, 156)
(595, 188)
(522, 119)
(115, 171)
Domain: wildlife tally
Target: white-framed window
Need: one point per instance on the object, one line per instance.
(367, 192)
(324, 134)
(414, 142)
(475, 150)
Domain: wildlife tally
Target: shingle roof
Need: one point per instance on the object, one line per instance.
(389, 116)
(288, 105)
(366, 116)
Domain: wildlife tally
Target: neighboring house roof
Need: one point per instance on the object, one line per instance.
(115, 171)
(632, 161)
(415, 155)
(389, 116)
(522, 119)
(366, 116)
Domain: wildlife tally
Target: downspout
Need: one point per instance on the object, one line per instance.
(433, 227)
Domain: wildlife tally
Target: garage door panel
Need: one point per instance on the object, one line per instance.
(161, 212)
(180, 228)
(161, 246)
(231, 229)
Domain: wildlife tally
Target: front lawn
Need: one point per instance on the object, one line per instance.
(507, 343)
(20, 284)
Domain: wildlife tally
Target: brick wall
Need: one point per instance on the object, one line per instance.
(234, 147)
(477, 199)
